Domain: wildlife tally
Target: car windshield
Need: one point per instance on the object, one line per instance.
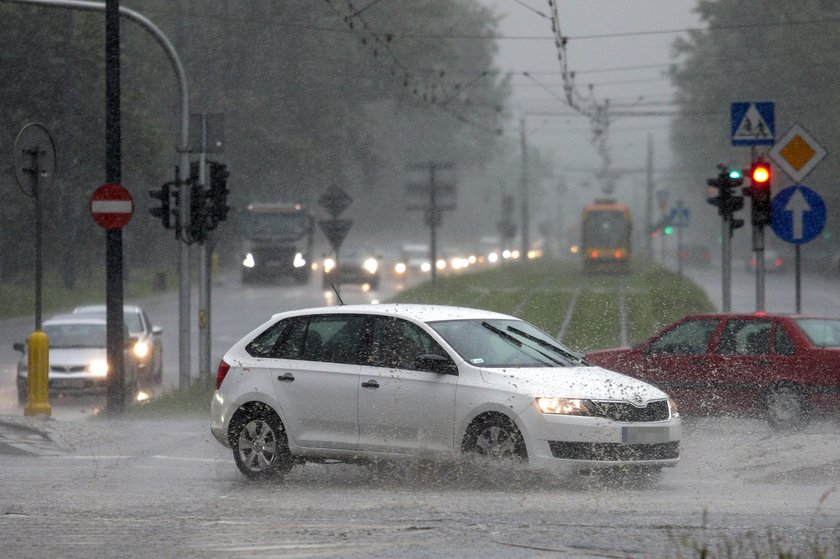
(821, 332)
(77, 335)
(497, 343)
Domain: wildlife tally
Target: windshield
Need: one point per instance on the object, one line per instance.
(64, 336)
(821, 332)
(497, 343)
(276, 224)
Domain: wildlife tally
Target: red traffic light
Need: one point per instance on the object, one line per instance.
(760, 174)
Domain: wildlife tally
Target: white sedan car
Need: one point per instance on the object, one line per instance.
(384, 382)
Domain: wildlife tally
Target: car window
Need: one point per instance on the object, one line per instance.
(783, 344)
(396, 344)
(342, 337)
(132, 320)
(821, 332)
(690, 337)
(745, 337)
(76, 335)
(263, 345)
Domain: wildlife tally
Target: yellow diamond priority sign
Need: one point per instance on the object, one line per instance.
(797, 153)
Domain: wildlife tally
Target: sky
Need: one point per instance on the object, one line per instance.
(622, 69)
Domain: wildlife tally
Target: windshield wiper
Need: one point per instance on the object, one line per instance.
(547, 345)
(518, 343)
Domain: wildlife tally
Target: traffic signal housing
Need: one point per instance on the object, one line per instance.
(218, 207)
(164, 211)
(759, 190)
(728, 200)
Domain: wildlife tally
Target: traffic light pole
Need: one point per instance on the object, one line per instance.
(758, 247)
(726, 264)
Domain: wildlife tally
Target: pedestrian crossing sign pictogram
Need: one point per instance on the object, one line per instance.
(753, 124)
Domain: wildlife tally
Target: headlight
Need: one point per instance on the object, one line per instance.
(425, 267)
(329, 264)
(141, 349)
(400, 267)
(98, 367)
(249, 261)
(564, 406)
(672, 406)
(371, 265)
(299, 261)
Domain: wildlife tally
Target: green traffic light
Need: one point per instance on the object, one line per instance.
(668, 230)
(735, 174)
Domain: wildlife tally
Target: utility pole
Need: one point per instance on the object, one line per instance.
(526, 241)
(649, 199)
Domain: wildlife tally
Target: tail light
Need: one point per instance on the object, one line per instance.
(223, 371)
(778, 262)
(618, 255)
(596, 254)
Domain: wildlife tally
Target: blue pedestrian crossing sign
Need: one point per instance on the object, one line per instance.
(753, 124)
(797, 214)
(680, 216)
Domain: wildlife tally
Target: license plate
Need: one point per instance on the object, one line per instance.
(645, 435)
(69, 383)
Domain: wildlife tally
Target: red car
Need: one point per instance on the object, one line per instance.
(785, 367)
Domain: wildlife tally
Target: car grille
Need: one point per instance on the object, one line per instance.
(68, 369)
(607, 452)
(629, 413)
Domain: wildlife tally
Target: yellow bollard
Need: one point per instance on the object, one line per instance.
(38, 375)
(214, 265)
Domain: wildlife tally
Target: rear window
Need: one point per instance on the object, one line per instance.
(820, 331)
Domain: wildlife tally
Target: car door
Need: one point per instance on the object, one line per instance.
(678, 360)
(315, 372)
(404, 405)
(743, 359)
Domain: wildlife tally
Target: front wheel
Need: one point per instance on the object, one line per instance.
(260, 446)
(785, 408)
(497, 438)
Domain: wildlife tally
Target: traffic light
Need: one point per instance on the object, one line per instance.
(728, 200)
(668, 229)
(163, 212)
(218, 194)
(759, 191)
(198, 214)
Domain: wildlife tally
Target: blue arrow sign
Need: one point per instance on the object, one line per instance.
(798, 214)
(753, 124)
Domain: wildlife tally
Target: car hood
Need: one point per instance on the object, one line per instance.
(592, 383)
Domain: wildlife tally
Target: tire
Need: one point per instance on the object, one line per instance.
(260, 446)
(497, 438)
(785, 407)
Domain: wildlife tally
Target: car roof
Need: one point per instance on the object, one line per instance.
(418, 312)
(103, 308)
(757, 315)
(75, 319)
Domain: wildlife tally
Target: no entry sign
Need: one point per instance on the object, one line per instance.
(111, 206)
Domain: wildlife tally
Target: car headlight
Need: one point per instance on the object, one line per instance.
(400, 267)
(672, 407)
(249, 261)
(329, 264)
(371, 265)
(98, 367)
(564, 406)
(141, 349)
(299, 261)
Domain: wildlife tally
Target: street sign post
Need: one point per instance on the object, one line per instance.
(752, 123)
(335, 200)
(798, 215)
(111, 206)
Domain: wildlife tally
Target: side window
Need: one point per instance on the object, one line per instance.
(691, 338)
(396, 344)
(745, 337)
(263, 345)
(783, 344)
(336, 338)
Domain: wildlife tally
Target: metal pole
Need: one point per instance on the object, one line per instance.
(433, 210)
(36, 191)
(203, 274)
(526, 241)
(798, 281)
(758, 240)
(726, 265)
(679, 251)
(649, 200)
(183, 167)
(113, 237)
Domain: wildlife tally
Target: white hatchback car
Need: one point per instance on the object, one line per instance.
(380, 382)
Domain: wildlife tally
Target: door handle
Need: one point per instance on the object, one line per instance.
(699, 362)
(289, 377)
(370, 384)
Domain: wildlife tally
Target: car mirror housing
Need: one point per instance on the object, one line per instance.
(437, 364)
(18, 346)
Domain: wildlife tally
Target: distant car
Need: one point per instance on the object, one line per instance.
(149, 346)
(78, 361)
(784, 367)
(414, 259)
(356, 265)
(773, 262)
(385, 382)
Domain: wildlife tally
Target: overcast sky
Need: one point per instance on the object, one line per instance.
(622, 69)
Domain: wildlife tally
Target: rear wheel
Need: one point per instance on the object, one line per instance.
(785, 407)
(260, 446)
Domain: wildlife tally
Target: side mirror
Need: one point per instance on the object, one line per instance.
(18, 346)
(157, 330)
(436, 364)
